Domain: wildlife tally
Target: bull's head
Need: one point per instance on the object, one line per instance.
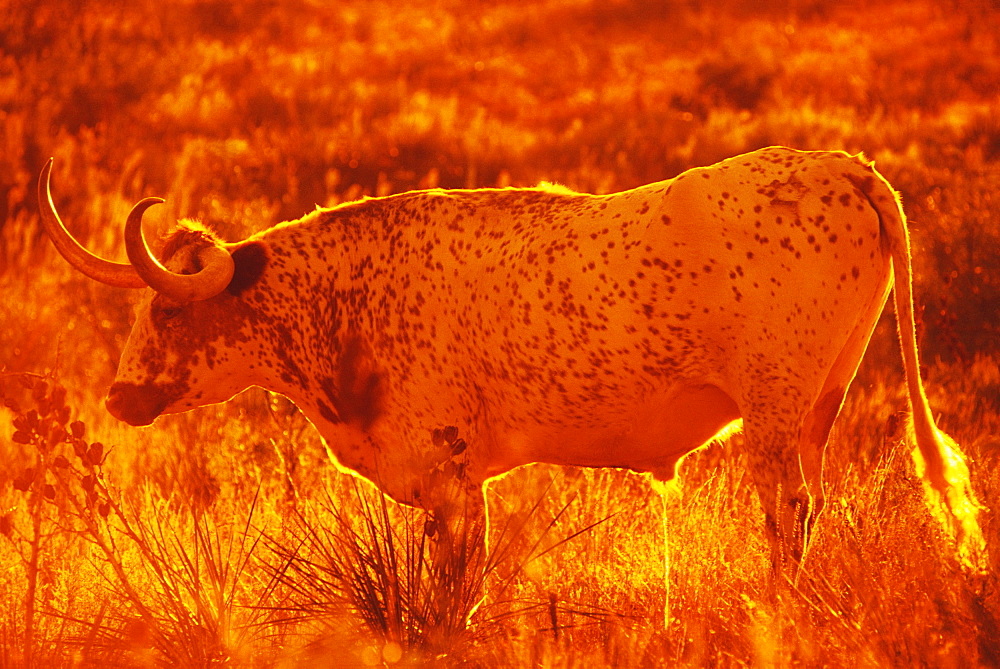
(174, 359)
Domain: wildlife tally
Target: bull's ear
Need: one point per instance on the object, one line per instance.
(249, 260)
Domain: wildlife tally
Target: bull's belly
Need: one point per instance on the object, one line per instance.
(652, 437)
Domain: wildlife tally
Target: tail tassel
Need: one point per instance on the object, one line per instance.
(953, 502)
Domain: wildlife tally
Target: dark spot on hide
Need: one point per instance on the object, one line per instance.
(357, 393)
(250, 261)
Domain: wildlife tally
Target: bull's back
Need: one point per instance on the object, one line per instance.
(770, 255)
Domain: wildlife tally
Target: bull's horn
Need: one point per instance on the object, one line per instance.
(105, 271)
(216, 264)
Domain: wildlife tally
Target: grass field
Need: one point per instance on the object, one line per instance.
(224, 536)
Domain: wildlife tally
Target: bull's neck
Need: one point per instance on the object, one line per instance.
(323, 313)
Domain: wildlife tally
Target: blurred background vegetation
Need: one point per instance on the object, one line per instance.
(245, 114)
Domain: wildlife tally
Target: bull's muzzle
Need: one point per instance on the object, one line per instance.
(135, 404)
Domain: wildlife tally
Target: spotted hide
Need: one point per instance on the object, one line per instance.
(473, 331)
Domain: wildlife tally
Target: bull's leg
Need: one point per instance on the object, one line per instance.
(508, 548)
(456, 528)
(503, 557)
(811, 457)
(665, 520)
(813, 438)
(665, 492)
(458, 516)
(784, 492)
(499, 550)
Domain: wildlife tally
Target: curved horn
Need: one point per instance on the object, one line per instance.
(105, 271)
(215, 274)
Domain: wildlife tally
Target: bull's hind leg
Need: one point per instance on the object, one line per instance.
(787, 424)
(786, 448)
(789, 486)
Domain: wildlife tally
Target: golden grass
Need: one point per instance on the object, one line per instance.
(224, 536)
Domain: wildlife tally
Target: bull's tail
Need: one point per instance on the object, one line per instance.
(939, 459)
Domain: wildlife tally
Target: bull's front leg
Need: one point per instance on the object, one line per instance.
(456, 526)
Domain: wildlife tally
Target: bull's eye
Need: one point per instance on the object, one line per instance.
(169, 313)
